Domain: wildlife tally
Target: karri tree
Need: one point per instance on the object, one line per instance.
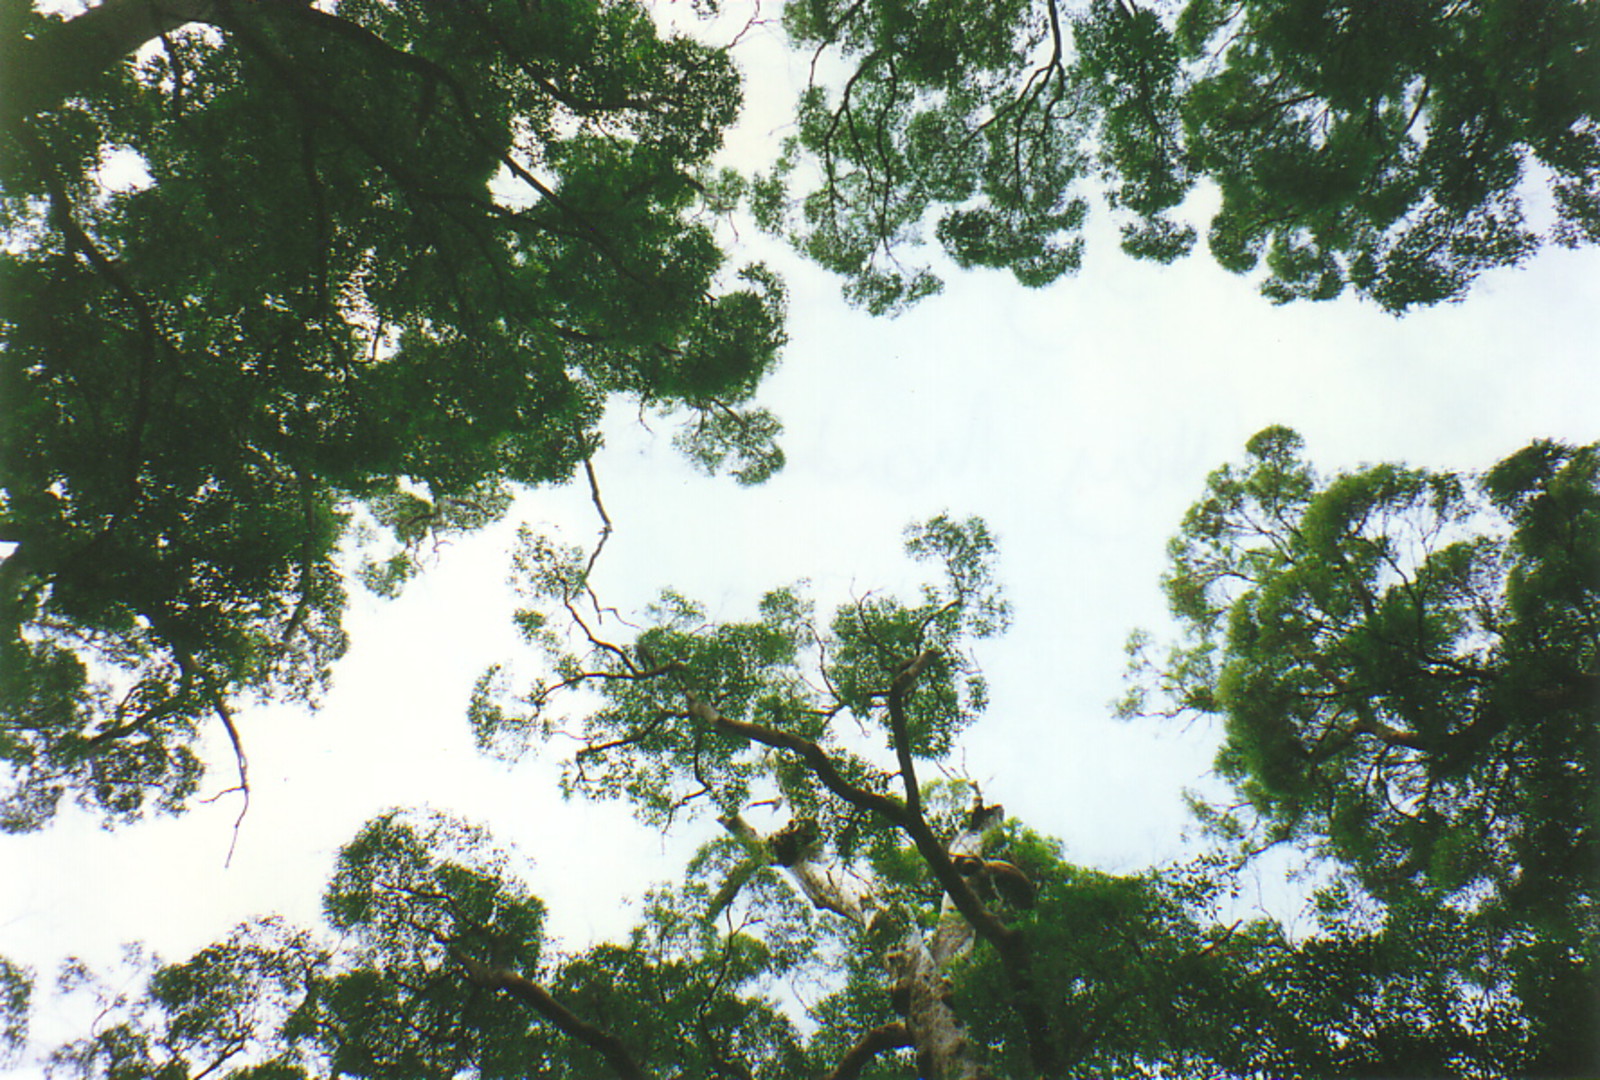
(863, 915)
(268, 266)
(275, 268)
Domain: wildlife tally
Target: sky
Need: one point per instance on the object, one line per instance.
(1079, 421)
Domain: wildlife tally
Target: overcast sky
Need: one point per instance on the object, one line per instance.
(1080, 420)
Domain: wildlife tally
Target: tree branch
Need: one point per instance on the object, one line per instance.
(47, 70)
(898, 690)
(1015, 954)
(569, 1023)
(870, 1045)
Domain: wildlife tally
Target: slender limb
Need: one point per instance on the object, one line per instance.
(605, 532)
(899, 689)
(220, 706)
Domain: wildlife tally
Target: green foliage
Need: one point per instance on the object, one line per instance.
(1451, 932)
(482, 225)
(16, 993)
(250, 994)
(1387, 150)
(412, 896)
(1129, 63)
(944, 113)
(748, 438)
(393, 257)
(418, 904)
(1407, 667)
(787, 670)
(409, 891)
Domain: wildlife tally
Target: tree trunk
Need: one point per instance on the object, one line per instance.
(921, 992)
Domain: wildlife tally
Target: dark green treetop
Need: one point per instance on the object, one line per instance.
(1389, 149)
(1392, 148)
(1407, 664)
(969, 110)
(386, 262)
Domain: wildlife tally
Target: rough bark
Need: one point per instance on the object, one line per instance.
(1012, 946)
(954, 935)
(944, 1052)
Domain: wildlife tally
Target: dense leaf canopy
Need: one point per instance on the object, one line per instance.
(272, 268)
(386, 262)
(1392, 149)
(278, 275)
(1408, 665)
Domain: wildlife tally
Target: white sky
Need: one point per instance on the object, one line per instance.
(1080, 421)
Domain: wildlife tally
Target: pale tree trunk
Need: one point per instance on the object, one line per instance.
(916, 967)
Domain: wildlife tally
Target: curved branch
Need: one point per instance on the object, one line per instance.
(870, 1045)
(569, 1023)
(45, 71)
(898, 691)
(822, 766)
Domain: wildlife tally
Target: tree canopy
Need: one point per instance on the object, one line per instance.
(292, 292)
(385, 262)
(1433, 755)
(1394, 150)
(1407, 664)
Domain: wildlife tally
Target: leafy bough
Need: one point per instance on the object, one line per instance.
(742, 715)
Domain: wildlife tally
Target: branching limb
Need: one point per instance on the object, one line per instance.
(1013, 948)
(817, 760)
(813, 881)
(898, 691)
(874, 1042)
(220, 706)
(569, 1023)
(605, 529)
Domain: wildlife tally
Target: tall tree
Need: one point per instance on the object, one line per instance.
(1407, 664)
(869, 882)
(270, 268)
(917, 926)
(1391, 150)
